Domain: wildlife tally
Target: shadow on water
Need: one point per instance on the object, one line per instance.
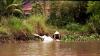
(34, 48)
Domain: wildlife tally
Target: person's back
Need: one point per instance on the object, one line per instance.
(47, 38)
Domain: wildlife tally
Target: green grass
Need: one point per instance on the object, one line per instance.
(15, 23)
(31, 24)
(77, 37)
(37, 23)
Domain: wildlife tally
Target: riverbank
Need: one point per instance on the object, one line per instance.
(65, 37)
(14, 28)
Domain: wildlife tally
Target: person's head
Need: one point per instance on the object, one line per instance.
(56, 33)
(41, 34)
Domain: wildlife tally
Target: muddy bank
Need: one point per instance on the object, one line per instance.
(4, 37)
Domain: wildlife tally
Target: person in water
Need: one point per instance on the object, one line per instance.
(46, 38)
(57, 35)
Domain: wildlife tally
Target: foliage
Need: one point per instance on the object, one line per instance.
(80, 12)
(76, 27)
(38, 23)
(66, 12)
(15, 23)
(60, 14)
(94, 8)
(77, 37)
(65, 16)
(37, 8)
(9, 7)
(33, 24)
(3, 29)
(73, 27)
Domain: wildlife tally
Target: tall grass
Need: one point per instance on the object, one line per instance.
(3, 25)
(36, 23)
(33, 24)
(15, 23)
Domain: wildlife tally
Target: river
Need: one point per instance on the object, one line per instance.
(34, 48)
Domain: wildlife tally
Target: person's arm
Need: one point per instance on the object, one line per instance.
(41, 36)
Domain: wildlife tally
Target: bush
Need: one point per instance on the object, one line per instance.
(36, 23)
(77, 37)
(15, 23)
(60, 14)
(94, 8)
(73, 27)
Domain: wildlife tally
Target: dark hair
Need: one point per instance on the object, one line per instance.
(41, 34)
(47, 34)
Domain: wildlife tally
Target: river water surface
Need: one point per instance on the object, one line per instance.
(34, 48)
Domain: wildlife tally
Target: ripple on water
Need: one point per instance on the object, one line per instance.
(51, 49)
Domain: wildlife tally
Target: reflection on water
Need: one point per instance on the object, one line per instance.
(50, 49)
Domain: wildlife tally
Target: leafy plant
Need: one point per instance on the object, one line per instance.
(9, 7)
(94, 8)
(15, 23)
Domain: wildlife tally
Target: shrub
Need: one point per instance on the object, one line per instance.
(94, 8)
(15, 23)
(73, 27)
(76, 37)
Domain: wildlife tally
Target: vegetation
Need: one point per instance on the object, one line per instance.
(77, 37)
(68, 17)
(12, 7)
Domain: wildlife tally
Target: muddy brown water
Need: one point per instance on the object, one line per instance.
(34, 48)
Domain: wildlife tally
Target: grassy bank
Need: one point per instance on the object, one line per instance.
(14, 27)
(77, 37)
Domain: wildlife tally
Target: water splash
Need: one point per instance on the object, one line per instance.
(47, 39)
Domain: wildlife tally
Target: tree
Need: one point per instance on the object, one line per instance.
(61, 13)
(9, 7)
(94, 9)
(80, 12)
